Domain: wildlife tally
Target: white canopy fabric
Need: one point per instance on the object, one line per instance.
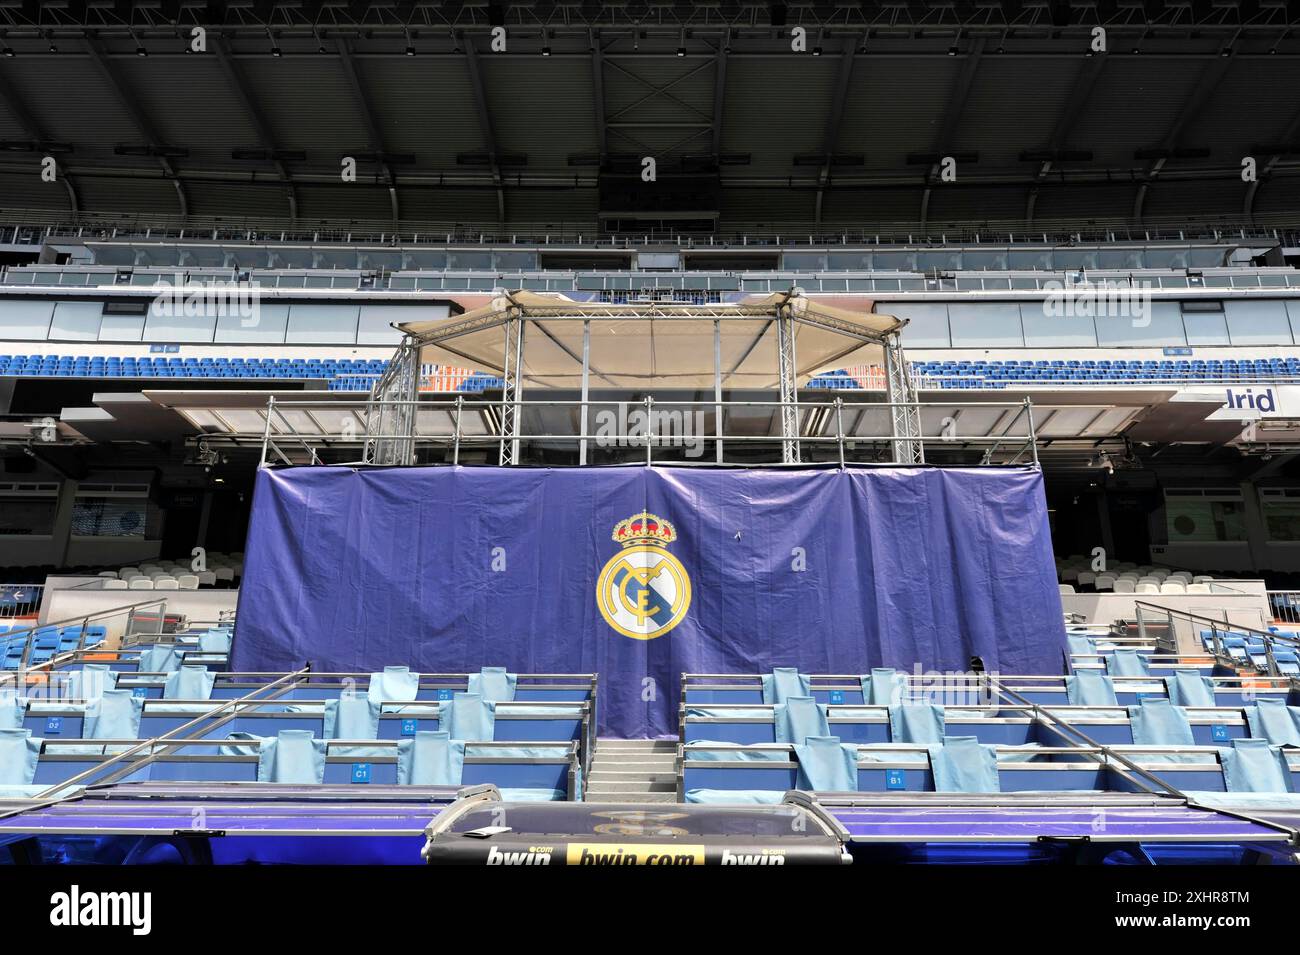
(665, 345)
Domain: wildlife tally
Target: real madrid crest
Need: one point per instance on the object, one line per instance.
(643, 591)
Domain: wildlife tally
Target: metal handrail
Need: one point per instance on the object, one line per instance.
(83, 620)
(1268, 638)
(652, 438)
(44, 797)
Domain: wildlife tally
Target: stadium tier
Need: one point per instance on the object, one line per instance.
(738, 434)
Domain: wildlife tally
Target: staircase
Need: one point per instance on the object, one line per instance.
(633, 771)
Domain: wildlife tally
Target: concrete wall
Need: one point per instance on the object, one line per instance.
(1248, 607)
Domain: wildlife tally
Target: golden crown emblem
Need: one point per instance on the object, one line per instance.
(644, 528)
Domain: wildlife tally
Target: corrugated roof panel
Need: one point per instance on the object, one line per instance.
(1001, 117)
(1132, 107)
(424, 106)
(896, 107)
(360, 201)
(546, 111)
(308, 102)
(449, 205)
(864, 207)
(119, 196)
(775, 114)
(767, 205)
(19, 191)
(1085, 200)
(190, 103)
(1170, 198)
(1254, 104)
(238, 199)
(73, 102)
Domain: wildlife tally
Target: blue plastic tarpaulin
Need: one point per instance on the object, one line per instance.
(448, 569)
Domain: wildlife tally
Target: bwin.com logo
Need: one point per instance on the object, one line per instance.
(75, 908)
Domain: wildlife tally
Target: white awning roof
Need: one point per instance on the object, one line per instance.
(639, 345)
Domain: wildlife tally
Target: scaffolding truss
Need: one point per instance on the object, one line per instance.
(548, 342)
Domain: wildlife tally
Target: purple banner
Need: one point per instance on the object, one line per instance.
(640, 574)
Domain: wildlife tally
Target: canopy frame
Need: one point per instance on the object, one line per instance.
(391, 424)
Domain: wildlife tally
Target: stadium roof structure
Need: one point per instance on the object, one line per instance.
(848, 130)
(548, 340)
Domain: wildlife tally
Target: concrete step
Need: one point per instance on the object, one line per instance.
(634, 766)
(628, 789)
(618, 799)
(663, 758)
(666, 745)
(599, 776)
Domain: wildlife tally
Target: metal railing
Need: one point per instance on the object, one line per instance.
(82, 622)
(20, 600)
(1220, 631)
(668, 424)
(35, 226)
(1285, 605)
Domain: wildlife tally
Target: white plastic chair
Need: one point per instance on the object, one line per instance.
(225, 573)
(166, 583)
(1173, 587)
(1125, 586)
(1147, 588)
(1066, 588)
(114, 584)
(1104, 582)
(207, 578)
(1087, 577)
(188, 582)
(1198, 588)
(140, 583)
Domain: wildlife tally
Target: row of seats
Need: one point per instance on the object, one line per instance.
(344, 728)
(1252, 650)
(46, 642)
(342, 374)
(998, 374)
(897, 739)
(171, 575)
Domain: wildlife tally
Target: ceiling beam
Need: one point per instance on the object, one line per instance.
(130, 105)
(1196, 100)
(835, 119)
(485, 123)
(719, 95)
(1075, 106)
(1288, 135)
(952, 116)
(598, 97)
(349, 65)
(255, 115)
(33, 129)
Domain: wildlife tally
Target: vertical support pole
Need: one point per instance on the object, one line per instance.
(266, 432)
(839, 428)
(1033, 432)
(787, 377)
(586, 388)
(455, 447)
(391, 409)
(717, 389)
(905, 416)
(649, 429)
(510, 392)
